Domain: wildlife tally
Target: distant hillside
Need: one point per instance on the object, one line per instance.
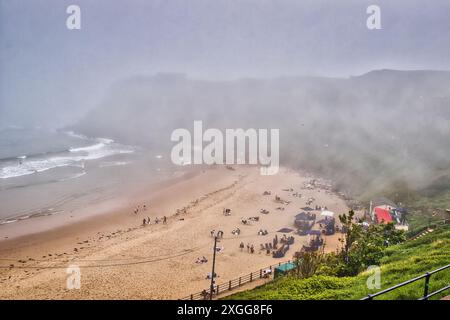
(401, 262)
(367, 132)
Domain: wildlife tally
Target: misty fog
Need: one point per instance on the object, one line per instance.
(367, 133)
(242, 64)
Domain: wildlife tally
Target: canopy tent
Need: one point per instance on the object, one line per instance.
(382, 201)
(314, 232)
(383, 215)
(283, 269)
(327, 213)
(285, 230)
(403, 210)
(305, 216)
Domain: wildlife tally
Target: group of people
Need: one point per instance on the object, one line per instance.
(310, 201)
(262, 232)
(146, 221)
(157, 220)
(136, 210)
(206, 294)
(236, 232)
(250, 248)
(219, 233)
(201, 260)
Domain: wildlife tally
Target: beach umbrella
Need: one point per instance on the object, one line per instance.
(327, 213)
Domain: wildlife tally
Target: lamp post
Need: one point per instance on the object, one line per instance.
(213, 267)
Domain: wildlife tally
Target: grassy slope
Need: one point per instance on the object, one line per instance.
(421, 207)
(400, 263)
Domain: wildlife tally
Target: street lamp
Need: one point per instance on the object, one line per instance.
(213, 268)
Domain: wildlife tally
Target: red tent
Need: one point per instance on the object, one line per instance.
(383, 215)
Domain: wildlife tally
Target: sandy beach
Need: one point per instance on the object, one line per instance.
(119, 258)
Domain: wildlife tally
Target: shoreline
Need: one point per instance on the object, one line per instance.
(120, 258)
(41, 225)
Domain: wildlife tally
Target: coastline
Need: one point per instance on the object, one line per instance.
(93, 215)
(114, 250)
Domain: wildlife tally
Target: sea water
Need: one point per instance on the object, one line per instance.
(44, 172)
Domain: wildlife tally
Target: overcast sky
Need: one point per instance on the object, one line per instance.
(46, 69)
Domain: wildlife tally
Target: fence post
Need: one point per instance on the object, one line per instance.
(229, 285)
(239, 281)
(192, 297)
(217, 290)
(427, 285)
(251, 277)
(260, 273)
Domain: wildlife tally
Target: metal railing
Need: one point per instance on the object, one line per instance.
(433, 225)
(232, 284)
(426, 294)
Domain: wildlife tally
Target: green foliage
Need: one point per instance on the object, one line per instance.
(307, 263)
(399, 263)
(288, 288)
(362, 247)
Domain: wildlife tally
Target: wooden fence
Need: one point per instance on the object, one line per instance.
(235, 283)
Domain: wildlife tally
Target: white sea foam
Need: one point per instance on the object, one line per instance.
(96, 146)
(105, 140)
(75, 157)
(113, 164)
(75, 176)
(8, 221)
(76, 135)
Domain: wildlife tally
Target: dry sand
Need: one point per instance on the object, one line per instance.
(121, 259)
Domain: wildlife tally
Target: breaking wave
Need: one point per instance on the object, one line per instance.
(36, 163)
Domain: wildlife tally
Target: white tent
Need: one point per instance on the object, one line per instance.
(327, 213)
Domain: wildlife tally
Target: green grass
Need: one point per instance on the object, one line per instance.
(426, 210)
(400, 263)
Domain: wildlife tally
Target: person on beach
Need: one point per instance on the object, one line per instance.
(214, 287)
(252, 249)
(212, 233)
(164, 220)
(201, 260)
(148, 220)
(143, 222)
(241, 246)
